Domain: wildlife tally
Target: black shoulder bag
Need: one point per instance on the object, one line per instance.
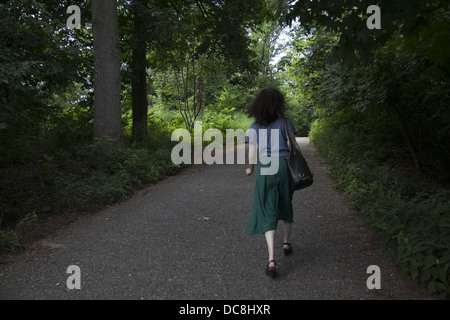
(298, 167)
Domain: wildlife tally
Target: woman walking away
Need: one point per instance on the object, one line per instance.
(272, 198)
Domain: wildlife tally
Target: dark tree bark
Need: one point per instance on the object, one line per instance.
(107, 100)
(139, 133)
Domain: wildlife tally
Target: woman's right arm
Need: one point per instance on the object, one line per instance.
(252, 159)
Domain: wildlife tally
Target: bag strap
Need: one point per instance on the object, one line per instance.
(288, 132)
(292, 142)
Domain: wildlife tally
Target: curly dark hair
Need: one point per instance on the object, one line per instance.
(267, 106)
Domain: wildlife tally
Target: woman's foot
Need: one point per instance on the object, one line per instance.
(287, 248)
(270, 270)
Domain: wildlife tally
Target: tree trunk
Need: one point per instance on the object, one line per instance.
(107, 104)
(139, 130)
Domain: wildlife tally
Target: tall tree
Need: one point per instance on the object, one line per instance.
(139, 103)
(107, 100)
(144, 25)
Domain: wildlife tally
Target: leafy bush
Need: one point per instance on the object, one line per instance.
(241, 121)
(89, 173)
(9, 241)
(411, 217)
(236, 97)
(220, 120)
(79, 179)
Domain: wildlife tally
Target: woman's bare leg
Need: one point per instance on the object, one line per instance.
(287, 233)
(270, 239)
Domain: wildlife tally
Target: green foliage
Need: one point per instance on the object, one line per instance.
(81, 178)
(241, 121)
(425, 20)
(218, 120)
(9, 241)
(235, 96)
(302, 114)
(36, 64)
(90, 174)
(403, 110)
(30, 220)
(410, 215)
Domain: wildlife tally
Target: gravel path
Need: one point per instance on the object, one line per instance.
(185, 238)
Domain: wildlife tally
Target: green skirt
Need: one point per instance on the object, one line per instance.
(272, 199)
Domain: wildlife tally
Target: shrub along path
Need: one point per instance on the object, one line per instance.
(185, 238)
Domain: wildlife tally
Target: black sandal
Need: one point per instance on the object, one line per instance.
(271, 271)
(287, 251)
